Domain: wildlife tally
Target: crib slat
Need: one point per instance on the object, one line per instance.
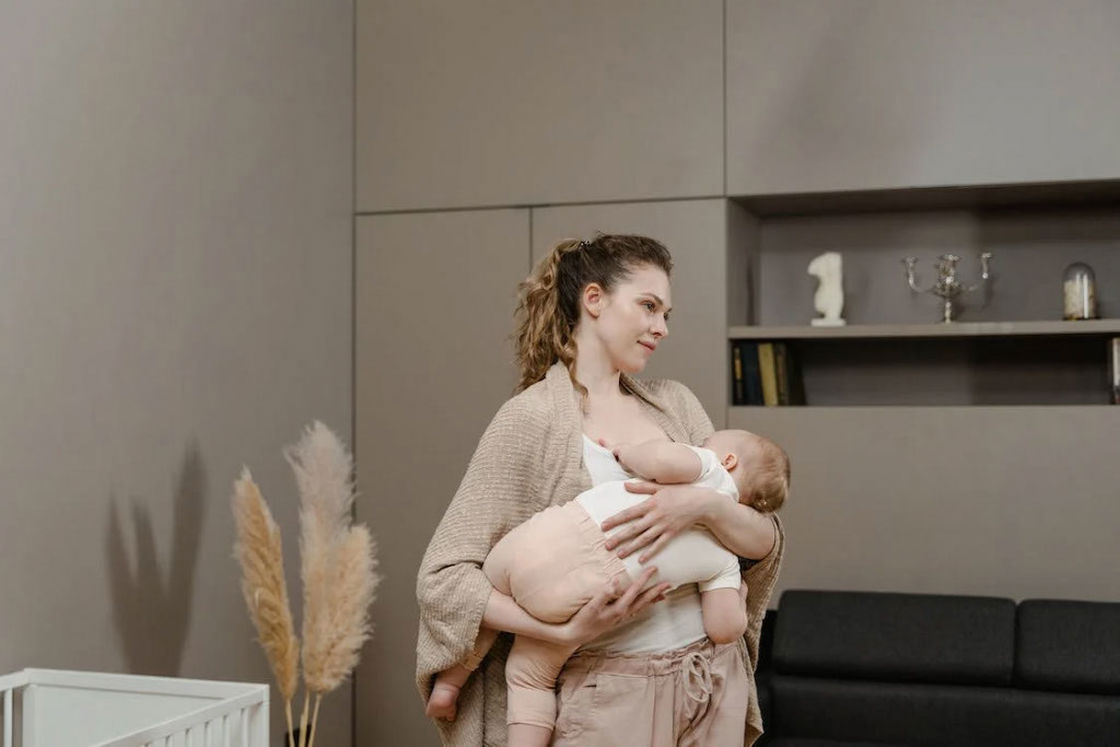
(226, 741)
(244, 727)
(8, 718)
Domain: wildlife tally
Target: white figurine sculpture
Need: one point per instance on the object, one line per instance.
(829, 298)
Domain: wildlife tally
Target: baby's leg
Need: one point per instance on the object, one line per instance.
(725, 613)
(443, 701)
(531, 672)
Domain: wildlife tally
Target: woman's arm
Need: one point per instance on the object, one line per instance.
(451, 589)
(606, 609)
(671, 509)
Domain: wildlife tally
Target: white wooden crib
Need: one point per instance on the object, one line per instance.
(55, 708)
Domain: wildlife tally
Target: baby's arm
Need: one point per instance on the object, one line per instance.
(662, 462)
(725, 613)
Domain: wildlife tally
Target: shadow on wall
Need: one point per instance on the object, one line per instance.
(151, 614)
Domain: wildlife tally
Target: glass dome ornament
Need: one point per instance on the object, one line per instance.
(1079, 291)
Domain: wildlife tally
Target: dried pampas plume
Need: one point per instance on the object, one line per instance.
(258, 550)
(338, 568)
(338, 564)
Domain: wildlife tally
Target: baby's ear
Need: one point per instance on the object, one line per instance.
(730, 461)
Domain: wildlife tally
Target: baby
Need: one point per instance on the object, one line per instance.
(556, 561)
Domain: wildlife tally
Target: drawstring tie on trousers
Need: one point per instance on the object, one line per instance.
(696, 677)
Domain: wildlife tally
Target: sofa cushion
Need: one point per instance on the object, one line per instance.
(900, 637)
(798, 742)
(935, 715)
(1070, 646)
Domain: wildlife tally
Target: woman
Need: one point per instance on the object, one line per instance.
(592, 314)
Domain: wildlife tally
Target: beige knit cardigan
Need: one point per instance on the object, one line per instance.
(530, 457)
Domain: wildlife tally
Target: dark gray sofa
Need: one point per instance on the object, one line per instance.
(875, 669)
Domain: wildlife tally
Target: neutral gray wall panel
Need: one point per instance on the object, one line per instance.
(695, 232)
(175, 249)
(860, 94)
(514, 103)
(1006, 501)
(434, 361)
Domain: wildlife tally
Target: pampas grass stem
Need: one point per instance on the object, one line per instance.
(303, 719)
(314, 720)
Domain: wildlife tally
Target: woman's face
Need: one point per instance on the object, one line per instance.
(633, 319)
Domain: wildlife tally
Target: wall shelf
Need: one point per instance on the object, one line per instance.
(1102, 327)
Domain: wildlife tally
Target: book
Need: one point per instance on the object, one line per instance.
(738, 389)
(746, 388)
(791, 389)
(781, 372)
(768, 374)
(752, 380)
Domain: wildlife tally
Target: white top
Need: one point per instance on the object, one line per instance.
(692, 562)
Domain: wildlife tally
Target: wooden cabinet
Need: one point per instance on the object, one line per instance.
(830, 95)
(519, 103)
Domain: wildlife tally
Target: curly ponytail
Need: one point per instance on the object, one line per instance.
(548, 307)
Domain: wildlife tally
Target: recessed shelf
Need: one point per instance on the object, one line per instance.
(737, 412)
(972, 196)
(917, 331)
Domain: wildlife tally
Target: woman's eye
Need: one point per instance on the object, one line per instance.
(649, 305)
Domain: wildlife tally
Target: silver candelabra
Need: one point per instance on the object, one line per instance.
(948, 285)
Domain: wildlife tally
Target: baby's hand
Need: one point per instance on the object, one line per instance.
(620, 452)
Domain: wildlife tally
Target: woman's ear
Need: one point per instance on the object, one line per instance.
(594, 300)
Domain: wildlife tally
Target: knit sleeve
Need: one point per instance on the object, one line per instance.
(761, 578)
(692, 414)
(493, 497)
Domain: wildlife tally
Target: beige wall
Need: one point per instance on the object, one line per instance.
(175, 273)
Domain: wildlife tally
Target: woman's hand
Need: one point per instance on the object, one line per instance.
(668, 511)
(607, 609)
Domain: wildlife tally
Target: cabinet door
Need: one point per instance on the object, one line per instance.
(435, 295)
(695, 232)
(513, 102)
(863, 94)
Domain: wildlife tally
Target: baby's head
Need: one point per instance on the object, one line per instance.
(759, 467)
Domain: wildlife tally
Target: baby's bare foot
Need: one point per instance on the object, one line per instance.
(442, 702)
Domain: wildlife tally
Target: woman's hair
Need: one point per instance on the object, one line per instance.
(549, 299)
